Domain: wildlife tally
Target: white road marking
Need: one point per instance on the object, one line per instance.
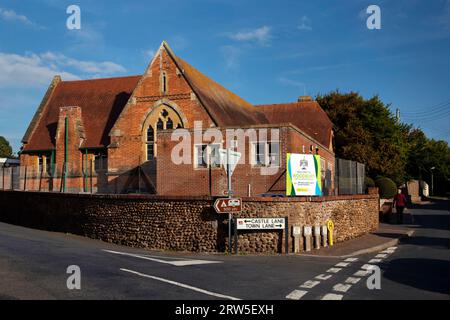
(351, 259)
(381, 255)
(367, 266)
(218, 295)
(332, 296)
(324, 276)
(342, 264)
(334, 270)
(392, 248)
(388, 251)
(361, 273)
(180, 263)
(374, 260)
(296, 294)
(342, 287)
(352, 280)
(310, 284)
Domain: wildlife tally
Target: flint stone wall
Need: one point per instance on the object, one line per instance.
(183, 223)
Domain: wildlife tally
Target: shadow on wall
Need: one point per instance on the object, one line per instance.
(141, 179)
(410, 272)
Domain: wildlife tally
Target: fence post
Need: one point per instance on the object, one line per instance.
(25, 179)
(12, 178)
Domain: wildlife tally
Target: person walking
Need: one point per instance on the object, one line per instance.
(399, 204)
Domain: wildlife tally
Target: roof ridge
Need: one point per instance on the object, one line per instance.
(285, 103)
(99, 79)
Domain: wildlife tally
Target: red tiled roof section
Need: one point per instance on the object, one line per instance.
(308, 116)
(101, 102)
(225, 107)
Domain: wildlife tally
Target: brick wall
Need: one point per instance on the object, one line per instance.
(247, 179)
(182, 223)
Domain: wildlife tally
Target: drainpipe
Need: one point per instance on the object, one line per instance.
(66, 151)
(85, 171)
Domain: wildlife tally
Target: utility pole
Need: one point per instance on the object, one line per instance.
(230, 217)
(432, 180)
(397, 115)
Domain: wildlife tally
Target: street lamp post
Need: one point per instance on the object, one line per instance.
(432, 181)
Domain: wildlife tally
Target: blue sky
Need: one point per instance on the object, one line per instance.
(265, 51)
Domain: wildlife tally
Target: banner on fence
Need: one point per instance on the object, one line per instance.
(303, 176)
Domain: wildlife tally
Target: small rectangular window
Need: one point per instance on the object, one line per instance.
(214, 155)
(259, 154)
(100, 162)
(274, 153)
(201, 156)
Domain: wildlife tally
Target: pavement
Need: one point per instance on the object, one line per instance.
(34, 264)
(386, 236)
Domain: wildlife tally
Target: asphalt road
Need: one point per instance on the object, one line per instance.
(33, 265)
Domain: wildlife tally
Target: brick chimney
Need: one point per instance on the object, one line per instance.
(304, 98)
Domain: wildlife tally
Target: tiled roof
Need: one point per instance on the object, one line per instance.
(308, 116)
(101, 101)
(225, 107)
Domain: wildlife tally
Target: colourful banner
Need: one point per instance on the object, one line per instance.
(303, 175)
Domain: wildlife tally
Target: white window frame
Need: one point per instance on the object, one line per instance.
(266, 161)
(208, 156)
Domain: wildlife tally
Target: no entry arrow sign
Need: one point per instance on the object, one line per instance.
(228, 205)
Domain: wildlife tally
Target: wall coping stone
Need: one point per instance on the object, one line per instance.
(200, 198)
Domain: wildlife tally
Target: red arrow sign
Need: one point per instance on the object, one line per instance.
(226, 205)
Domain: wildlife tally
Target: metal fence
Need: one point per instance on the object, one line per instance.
(349, 177)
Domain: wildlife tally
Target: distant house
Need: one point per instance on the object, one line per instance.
(8, 162)
(115, 135)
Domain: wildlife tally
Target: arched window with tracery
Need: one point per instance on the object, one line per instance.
(162, 117)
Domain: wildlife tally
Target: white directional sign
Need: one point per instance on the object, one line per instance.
(260, 223)
(234, 159)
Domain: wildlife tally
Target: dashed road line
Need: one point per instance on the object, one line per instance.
(374, 261)
(309, 284)
(323, 276)
(342, 287)
(381, 255)
(296, 294)
(351, 259)
(332, 296)
(361, 273)
(352, 280)
(342, 264)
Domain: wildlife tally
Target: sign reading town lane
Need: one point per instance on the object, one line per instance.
(260, 224)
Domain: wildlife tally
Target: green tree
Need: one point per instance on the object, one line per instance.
(366, 131)
(5, 148)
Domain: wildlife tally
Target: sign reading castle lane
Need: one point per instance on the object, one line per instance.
(260, 223)
(228, 205)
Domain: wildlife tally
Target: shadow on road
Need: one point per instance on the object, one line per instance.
(425, 274)
(439, 243)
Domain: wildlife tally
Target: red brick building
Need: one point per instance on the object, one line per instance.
(116, 135)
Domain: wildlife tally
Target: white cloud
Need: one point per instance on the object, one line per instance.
(11, 15)
(260, 35)
(149, 53)
(231, 55)
(305, 24)
(293, 83)
(35, 70)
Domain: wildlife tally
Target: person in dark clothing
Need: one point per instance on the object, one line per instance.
(400, 204)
